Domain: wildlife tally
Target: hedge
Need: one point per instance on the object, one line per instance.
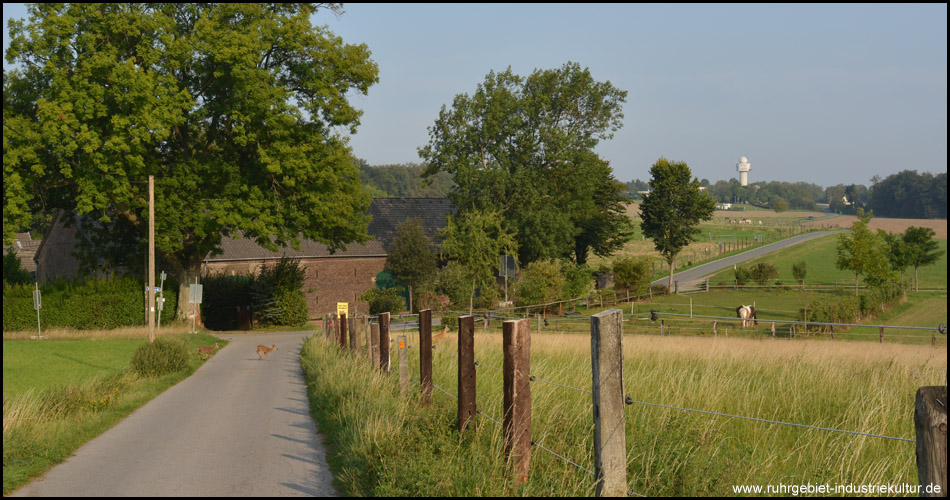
(92, 304)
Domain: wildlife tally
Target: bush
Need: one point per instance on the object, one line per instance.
(160, 357)
(763, 273)
(277, 294)
(384, 300)
(742, 276)
(632, 274)
(541, 282)
(799, 270)
(13, 272)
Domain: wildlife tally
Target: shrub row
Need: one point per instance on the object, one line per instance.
(92, 304)
(849, 308)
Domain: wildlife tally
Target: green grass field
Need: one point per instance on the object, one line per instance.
(387, 444)
(59, 394)
(819, 255)
(41, 365)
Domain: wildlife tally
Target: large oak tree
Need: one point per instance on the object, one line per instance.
(240, 112)
(524, 146)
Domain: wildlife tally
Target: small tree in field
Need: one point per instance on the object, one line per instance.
(799, 270)
(674, 208)
(921, 249)
(763, 273)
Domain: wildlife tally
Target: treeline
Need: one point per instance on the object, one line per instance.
(403, 181)
(910, 195)
(905, 195)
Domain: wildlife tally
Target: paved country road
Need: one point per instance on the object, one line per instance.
(689, 279)
(239, 426)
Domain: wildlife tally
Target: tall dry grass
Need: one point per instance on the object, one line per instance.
(862, 387)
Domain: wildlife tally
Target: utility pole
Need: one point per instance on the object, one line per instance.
(151, 258)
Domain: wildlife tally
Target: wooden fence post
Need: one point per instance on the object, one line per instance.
(662, 328)
(354, 334)
(374, 344)
(425, 355)
(881, 333)
(715, 333)
(516, 344)
(466, 371)
(342, 331)
(773, 330)
(930, 423)
(610, 442)
(403, 366)
(384, 341)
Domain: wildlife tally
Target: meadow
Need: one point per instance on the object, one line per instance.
(60, 392)
(386, 444)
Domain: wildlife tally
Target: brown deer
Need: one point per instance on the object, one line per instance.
(206, 350)
(263, 349)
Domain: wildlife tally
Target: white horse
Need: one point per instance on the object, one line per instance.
(747, 314)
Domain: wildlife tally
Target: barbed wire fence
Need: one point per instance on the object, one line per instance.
(653, 317)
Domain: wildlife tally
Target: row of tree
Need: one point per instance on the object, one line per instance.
(880, 257)
(906, 194)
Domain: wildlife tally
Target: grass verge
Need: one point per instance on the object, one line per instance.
(49, 412)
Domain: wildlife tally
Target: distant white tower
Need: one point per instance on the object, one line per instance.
(743, 167)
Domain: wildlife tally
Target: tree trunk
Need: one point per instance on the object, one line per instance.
(916, 283)
(471, 298)
(670, 262)
(856, 284)
(410, 299)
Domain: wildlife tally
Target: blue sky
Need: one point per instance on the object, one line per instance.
(826, 94)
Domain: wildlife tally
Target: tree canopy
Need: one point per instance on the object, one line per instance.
(524, 146)
(674, 208)
(239, 111)
(411, 258)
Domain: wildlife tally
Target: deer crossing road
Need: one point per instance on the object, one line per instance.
(239, 426)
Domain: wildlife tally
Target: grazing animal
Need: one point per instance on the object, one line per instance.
(263, 349)
(209, 351)
(747, 313)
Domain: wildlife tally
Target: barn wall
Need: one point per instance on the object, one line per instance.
(326, 280)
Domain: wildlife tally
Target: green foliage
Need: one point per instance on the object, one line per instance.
(411, 259)
(277, 294)
(910, 195)
(476, 239)
(13, 272)
(525, 145)
(673, 210)
(403, 180)
(240, 111)
(91, 304)
(864, 253)
(763, 273)
(161, 357)
(742, 275)
(454, 282)
(632, 274)
(384, 300)
(919, 248)
(799, 271)
(780, 206)
(541, 282)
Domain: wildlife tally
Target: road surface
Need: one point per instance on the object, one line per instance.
(691, 278)
(239, 426)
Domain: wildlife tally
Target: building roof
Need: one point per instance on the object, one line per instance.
(386, 213)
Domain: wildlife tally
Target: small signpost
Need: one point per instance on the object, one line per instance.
(194, 297)
(506, 268)
(37, 304)
(160, 302)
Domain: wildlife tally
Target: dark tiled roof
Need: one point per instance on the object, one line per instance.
(386, 213)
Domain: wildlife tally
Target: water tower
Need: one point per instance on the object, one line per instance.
(743, 167)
